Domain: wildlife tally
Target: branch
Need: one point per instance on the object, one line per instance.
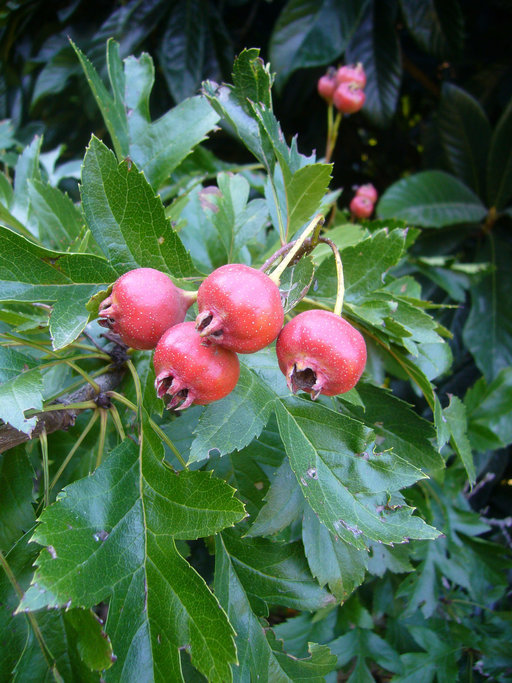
(55, 420)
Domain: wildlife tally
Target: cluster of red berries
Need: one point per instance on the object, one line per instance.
(240, 311)
(344, 87)
(364, 200)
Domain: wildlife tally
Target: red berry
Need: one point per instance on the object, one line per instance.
(348, 98)
(361, 206)
(143, 304)
(368, 191)
(190, 372)
(320, 353)
(326, 86)
(351, 74)
(239, 308)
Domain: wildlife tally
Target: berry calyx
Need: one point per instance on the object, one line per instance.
(239, 308)
(351, 73)
(143, 304)
(326, 86)
(361, 207)
(320, 353)
(368, 191)
(348, 98)
(191, 373)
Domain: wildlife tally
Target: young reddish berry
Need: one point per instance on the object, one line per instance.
(326, 86)
(348, 98)
(351, 74)
(368, 191)
(239, 308)
(143, 304)
(320, 353)
(361, 207)
(190, 372)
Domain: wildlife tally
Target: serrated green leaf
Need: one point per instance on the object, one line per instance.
(231, 424)
(465, 135)
(499, 165)
(30, 273)
(364, 644)
(456, 417)
(273, 573)
(252, 78)
(440, 662)
(27, 168)
(397, 426)
(16, 496)
(126, 218)
(309, 33)
(295, 281)
(343, 479)
(13, 362)
(112, 534)
(59, 220)
(304, 193)
(375, 44)
(431, 199)
(382, 558)
(331, 560)
(258, 653)
(283, 503)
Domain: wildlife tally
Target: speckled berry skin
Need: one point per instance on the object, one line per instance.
(351, 74)
(190, 372)
(361, 207)
(320, 353)
(368, 191)
(348, 98)
(143, 304)
(326, 86)
(239, 308)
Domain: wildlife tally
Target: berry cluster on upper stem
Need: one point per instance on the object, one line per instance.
(344, 87)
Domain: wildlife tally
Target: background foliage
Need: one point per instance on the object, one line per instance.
(296, 518)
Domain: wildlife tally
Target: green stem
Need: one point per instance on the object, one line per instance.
(116, 419)
(314, 227)
(77, 445)
(83, 405)
(46, 472)
(332, 133)
(78, 383)
(156, 428)
(340, 294)
(101, 440)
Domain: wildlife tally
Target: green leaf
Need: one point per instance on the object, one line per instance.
(31, 273)
(499, 165)
(488, 409)
(258, 652)
(27, 168)
(16, 496)
(21, 393)
(397, 426)
(439, 662)
(364, 644)
(58, 219)
(375, 44)
(283, 503)
(431, 199)
(465, 135)
(384, 558)
(112, 535)
(488, 329)
(112, 108)
(294, 281)
(252, 78)
(13, 362)
(456, 417)
(437, 27)
(309, 33)
(75, 638)
(331, 560)
(273, 573)
(344, 479)
(231, 424)
(126, 218)
(304, 192)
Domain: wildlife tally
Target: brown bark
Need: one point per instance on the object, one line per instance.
(60, 419)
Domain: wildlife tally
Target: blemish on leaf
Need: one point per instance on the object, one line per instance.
(52, 551)
(259, 485)
(101, 535)
(312, 473)
(303, 481)
(161, 240)
(213, 452)
(353, 529)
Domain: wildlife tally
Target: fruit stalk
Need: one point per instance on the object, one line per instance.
(314, 229)
(340, 292)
